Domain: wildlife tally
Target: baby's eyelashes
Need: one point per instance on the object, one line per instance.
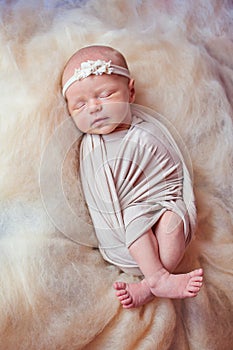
(105, 94)
(80, 105)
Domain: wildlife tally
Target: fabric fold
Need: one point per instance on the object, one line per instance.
(127, 197)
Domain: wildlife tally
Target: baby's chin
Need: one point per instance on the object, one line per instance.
(107, 129)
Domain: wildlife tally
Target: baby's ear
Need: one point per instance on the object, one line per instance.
(131, 91)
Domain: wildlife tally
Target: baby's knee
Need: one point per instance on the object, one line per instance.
(172, 222)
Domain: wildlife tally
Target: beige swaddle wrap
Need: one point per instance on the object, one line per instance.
(148, 177)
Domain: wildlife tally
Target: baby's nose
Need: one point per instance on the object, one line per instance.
(94, 105)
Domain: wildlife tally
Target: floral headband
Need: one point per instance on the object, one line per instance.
(98, 67)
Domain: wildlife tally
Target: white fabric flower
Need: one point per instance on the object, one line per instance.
(87, 68)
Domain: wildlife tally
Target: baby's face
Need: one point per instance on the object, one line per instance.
(99, 104)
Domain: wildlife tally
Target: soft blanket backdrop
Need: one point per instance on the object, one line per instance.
(55, 289)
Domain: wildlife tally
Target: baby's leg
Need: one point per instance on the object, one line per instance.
(169, 232)
(155, 262)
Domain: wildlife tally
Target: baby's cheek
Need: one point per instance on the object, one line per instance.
(80, 123)
(114, 108)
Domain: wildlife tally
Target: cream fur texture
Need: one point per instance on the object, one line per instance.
(55, 289)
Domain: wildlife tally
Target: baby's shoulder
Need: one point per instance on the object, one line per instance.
(148, 133)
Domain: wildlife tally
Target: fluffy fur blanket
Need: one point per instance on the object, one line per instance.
(55, 289)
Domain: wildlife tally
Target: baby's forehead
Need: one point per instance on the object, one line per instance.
(98, 83)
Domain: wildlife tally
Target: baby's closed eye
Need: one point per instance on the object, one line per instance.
(80, 104)
(105, 94)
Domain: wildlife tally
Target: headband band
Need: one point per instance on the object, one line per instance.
(98, 67)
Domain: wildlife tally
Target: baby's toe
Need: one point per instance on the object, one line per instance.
(119, 285)
(194, 289)
(196, 284)
(121, 292)
(127, 302)
(125, 298)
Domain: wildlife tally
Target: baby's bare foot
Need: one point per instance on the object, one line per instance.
(163, 284)
(133, 294)
(180, 286)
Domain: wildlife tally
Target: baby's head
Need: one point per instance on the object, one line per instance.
(98, 89)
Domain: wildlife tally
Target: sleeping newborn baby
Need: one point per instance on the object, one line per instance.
(135, 181)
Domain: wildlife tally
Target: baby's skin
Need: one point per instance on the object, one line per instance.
(165, 285)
